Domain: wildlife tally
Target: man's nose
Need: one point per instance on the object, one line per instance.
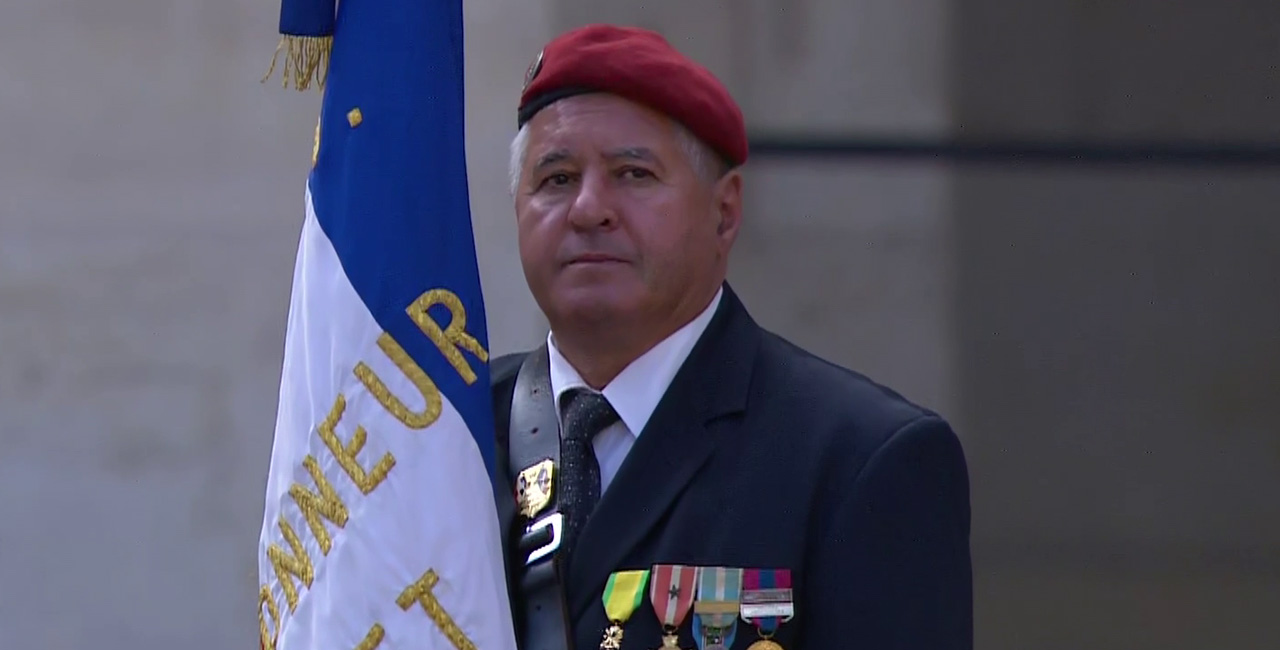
(593, 206)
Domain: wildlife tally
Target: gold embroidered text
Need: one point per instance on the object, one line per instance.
(290, 566)
(411, 419)
(453, 338)
(420, 592)
(314, 506)
(346, 454)
(373, 639)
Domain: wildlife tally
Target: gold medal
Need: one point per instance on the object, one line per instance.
(766, 603)
(622, 595)
(612, 638)
(671, 591)
(670, 642)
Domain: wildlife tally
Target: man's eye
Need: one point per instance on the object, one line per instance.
(637, 172)
(556, 180)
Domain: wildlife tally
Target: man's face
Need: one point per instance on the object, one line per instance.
(615, 223)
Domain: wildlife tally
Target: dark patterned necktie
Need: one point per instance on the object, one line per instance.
(586, 413)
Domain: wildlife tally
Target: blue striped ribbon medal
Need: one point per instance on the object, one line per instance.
(715, 612)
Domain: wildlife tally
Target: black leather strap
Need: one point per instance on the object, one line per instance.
(535, 437)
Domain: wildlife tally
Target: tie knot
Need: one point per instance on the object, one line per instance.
(586, 413)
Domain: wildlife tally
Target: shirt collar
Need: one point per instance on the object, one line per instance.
(636, 391)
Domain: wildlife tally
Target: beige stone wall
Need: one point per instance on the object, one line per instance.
(1106, 340)
(1118, 334)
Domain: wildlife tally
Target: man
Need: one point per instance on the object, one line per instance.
(689, 436)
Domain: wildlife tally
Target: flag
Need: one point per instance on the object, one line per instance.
(380, 528)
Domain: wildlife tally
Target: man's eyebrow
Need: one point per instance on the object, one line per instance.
(633, 153)
(551, 158)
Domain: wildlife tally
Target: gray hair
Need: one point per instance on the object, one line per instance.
(701, 157)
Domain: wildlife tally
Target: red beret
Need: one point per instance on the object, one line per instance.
(643, 67)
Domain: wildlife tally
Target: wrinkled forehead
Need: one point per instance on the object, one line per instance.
(601, 126)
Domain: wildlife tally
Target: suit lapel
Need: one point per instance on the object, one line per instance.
(668, 454)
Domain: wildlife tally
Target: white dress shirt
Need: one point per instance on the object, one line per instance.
(635, 392)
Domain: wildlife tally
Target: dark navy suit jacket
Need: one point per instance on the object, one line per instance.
(761, 455)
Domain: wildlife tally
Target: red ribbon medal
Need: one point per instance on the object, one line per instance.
(767, 603)
(671, 591)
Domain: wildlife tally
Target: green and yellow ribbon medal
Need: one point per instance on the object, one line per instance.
(622, 595)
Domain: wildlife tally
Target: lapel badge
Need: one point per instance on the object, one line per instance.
(534, 69)
(533, 487)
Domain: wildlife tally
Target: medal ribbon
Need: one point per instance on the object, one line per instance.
(623, 593)
(777, 584)
(671, 592)
(719, 589)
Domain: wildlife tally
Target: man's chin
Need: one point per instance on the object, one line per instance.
(592, 304)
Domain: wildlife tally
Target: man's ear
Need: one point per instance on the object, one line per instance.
(727, 202)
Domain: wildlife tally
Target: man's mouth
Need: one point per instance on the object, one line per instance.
(595, 258)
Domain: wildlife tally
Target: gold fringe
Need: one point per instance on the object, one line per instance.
(306, 60)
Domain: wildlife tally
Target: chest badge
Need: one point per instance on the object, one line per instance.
(534, 486)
